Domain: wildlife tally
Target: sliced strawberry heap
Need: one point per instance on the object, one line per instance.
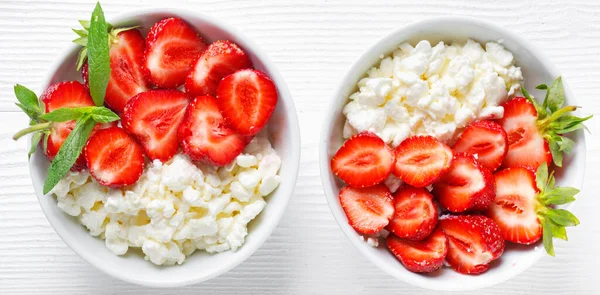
(369, 209)
(363, 160)
(486, 140)
(114, 158)
(153, 117)
(247, 98)
(171, 48)
(420, 256)
(219, 60)
(524, 207)
(205, 136)
(467, 186)
(421, 160)
(474, 242)
(415, 214)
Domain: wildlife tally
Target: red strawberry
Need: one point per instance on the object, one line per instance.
(220, 59)
(421, 160)
(69, 94)
(171, 48)
(247, 98)
(364, 160)
(126, 75)
(204, 136)
(369, 209)
(115, 159)
(467, 186)
(474, 241)
(487, 140)
(423, 256)
(415, 214)
(153, 117)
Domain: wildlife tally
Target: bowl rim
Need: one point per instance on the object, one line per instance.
(330, 117)
(293, 162)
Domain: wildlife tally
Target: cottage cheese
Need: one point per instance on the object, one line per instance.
(177, 207)
(432, 90)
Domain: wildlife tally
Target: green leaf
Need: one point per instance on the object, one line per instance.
(116, 32)
(565, 144)
(569, 123)
(558, 200)
(560, 195)
(66, 114)
(69, 152)
(541, 111)
(85, 24)
(82, 41)
(104, 115)
(80, 33)
(556, 95)
(541, 177)
(45, 141)
(562, 217)
(33, 115)
(541, 87)
(98, 56)
(27, 98)
(547, 236)
(557, 155)
(551, 180)
(81, 58)
(35, 141)
(558, 231)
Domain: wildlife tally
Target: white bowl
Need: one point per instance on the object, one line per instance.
(284, 134)
(536, 68)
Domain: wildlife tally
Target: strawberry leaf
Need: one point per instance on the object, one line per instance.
(541, 177)
(81, 58)
(98, 56)
(569, 123)
(541, 87)
(556, 95)
(35, 141)
(547, 236)
(565, 144)
(539, 109)
(562, 217)
(80, 33)
(557, 155)
(558, 231)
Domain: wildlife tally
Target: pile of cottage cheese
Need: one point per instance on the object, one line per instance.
(176, 207)
(425, 90)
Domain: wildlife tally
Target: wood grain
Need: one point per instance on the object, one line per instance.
(313, 43)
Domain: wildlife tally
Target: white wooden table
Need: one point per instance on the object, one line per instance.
(313, 43)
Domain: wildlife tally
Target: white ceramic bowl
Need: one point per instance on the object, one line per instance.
(285, 136)
(536, 69)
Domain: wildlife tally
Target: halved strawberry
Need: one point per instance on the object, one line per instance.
(415, 214)
(114, 158)
(423, 256)
(369, 209)
(126, 75)
(467, 186)
(153, 117)
(219, 60)
(247, 98)
(421, 160)
(363, 160)
(474, 241)
(487, 140)
(68, 94)
(171, 48)
(205, 136)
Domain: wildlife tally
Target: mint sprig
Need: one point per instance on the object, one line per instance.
(98, 56)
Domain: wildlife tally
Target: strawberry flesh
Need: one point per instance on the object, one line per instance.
(171, 48)
(415, 214)
(420, 256)
(487, 140)
(205, 136)
(369, 209)
(421, 160)
(474, 242)
(114, 158)
(219, 60)
(363, 160)
(467, 186)
(153, 117)
(247, 98)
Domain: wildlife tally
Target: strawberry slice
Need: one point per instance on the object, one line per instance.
(247, 98)
(487, 140)
(423, 256)
(115, 159)
(369, 209)
(153, 117)
(126, 75)
(220, 59)
(204, 136)
(474, 241)
(415, 215)
(171, 48)
(363, 160)
(69, 94)
(467, 186)
(421, 160)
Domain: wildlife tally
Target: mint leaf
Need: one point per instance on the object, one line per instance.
(547, 236)
(104, 115)
(98, 55)
(562, 217)
(35, 141)
(541, 177)
(556, 95)
(27, 98)
(69, 152)
(66, 114)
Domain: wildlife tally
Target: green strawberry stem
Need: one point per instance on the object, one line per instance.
(33, 128)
